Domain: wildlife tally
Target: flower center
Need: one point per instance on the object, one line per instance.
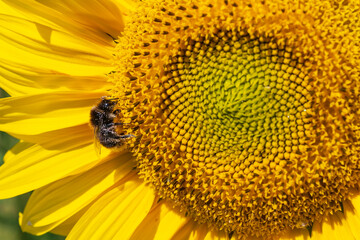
(237, 108)
(230, 123)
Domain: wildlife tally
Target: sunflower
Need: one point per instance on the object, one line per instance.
(236, 119)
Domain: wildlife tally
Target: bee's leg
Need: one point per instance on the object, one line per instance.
(112, 124)
(127, 136)
(116, 111)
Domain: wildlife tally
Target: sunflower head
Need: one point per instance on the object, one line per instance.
(245, 112)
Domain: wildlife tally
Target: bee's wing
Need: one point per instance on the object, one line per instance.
(97, 144)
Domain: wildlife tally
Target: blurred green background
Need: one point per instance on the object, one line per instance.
(10, 208)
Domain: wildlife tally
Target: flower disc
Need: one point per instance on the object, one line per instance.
(246, 112)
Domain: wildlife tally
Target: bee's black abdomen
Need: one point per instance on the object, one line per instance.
(109, 139)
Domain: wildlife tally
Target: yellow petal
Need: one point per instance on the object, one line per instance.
(40, 165)
(65, 227)
(200, 232)
(52, 43)
(129, 5)
(185, 231)
(295, 234)
(340, 225)
(62, 140)
(94, 20)
(331, 228)
(24, 41)
(215, 235)
(16, 149)
(36, 114)
(162, 223)
(54, 203)
(352, 215)
(116, 214)
(65, 134)
(19, 79)
(191, 231)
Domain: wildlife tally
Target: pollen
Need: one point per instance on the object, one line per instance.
(246, 113)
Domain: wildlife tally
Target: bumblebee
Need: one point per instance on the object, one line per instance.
(102, 119)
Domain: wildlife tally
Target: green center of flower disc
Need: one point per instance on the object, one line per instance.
(233, 125)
